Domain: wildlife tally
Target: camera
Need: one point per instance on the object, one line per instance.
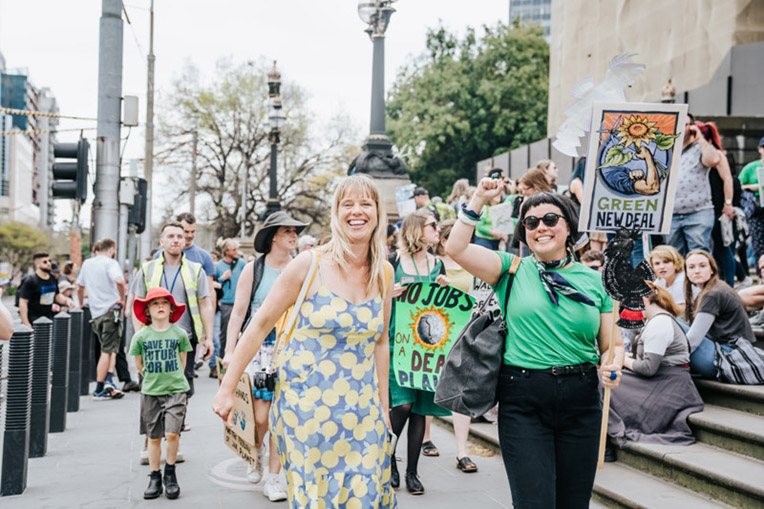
(264, 380)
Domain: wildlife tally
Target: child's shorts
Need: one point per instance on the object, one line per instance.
(162, 414)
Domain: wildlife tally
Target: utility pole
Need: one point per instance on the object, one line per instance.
(106, 202)
(148, 163)
(194, 169)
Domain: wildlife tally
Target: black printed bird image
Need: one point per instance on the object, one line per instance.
(624, 282)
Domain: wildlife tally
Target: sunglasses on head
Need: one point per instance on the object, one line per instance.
(532, 222)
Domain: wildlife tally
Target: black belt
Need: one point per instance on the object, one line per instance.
(575, 369)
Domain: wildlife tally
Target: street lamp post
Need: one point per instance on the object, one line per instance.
(276, 119)
(377, 158)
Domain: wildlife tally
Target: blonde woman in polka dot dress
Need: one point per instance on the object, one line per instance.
(329, 413)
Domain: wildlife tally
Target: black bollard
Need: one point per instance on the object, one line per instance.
(17, 412)
(60, 376)
(40, 417)
(75, 360)
(87, 352)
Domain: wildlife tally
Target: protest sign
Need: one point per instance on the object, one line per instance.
(481, 291)
(632, 167)
(242, 437)
(428, 319)
(760, 176)
(404, 199)
(501, 218)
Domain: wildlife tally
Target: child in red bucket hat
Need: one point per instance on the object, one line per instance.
(160, 355)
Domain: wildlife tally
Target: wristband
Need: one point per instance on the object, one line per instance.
(464, 218)
(470, 213)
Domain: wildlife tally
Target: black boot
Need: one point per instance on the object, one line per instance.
(172, 490)
(155, 485)
(395, 477)
(413, 484)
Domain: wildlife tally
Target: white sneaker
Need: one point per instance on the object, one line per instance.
(255, 475)
(179, 457)
(274, 488)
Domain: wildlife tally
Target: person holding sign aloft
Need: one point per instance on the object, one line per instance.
(413, 263)
(557, 315)
(330, 405)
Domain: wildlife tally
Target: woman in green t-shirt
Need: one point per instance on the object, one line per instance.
(558, 314)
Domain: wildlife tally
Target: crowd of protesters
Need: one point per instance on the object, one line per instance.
(232, 306)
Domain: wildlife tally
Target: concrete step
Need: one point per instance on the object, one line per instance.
(731, 430)
(704, 469)
(620, 486)
(745, 398)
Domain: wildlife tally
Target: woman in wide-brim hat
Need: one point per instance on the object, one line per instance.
(277, 240)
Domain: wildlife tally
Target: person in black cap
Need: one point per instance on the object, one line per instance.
(277, 240)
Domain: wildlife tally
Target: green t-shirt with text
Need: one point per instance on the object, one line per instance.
(541, 335)
(162, 367)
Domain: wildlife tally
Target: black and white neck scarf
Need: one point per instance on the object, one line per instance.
(554, 282)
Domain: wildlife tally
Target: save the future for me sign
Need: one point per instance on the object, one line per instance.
(428, 319)
(632, 167)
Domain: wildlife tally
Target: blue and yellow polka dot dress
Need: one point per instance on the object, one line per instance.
(327, 416)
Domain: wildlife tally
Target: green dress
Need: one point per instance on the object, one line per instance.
(422, 401)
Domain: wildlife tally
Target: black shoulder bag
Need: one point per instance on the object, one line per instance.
(470, 376)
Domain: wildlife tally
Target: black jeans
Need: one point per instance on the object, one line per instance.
(549, 434)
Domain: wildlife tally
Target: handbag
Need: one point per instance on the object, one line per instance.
(475, 360)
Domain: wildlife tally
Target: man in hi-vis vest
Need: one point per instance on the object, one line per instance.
(187, 283)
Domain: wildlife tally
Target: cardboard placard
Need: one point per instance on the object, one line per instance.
(404, 200)
(428, 319)
(480, 291)
(501, 218)
(632, 167)
(242, 437)
(760, 176)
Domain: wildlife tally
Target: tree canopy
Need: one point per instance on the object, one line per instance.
(230, 115)
(19, 242)
(468, 99)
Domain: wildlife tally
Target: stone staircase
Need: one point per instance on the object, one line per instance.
(724, 468)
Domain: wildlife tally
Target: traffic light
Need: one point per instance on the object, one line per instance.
(70, 178)
(137, 211)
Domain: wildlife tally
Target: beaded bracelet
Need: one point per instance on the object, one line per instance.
(464, 218)
(470, 213)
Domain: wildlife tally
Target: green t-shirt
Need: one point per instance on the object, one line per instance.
(750, 174)
(162, 368)
(541, 335)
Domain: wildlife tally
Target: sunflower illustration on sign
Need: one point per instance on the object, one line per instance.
(635, 155)
(430, 327)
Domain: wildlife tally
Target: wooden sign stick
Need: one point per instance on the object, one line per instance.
(606, 400)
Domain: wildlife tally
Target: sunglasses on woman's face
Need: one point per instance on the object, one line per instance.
(532, 222)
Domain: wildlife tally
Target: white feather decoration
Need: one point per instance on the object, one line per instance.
(621, 74)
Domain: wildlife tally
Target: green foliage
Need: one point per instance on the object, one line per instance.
(617, 156)
(18, 242)
(466, 100)
(665, 141)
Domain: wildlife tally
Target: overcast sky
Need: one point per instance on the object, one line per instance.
(318, 44)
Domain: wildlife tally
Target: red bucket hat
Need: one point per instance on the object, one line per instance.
(139, 306)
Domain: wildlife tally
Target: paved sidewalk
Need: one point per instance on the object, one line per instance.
(94, 464)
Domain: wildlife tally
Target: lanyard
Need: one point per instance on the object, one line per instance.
(164, 276)
(427, 259)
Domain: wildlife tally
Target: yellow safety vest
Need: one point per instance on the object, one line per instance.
(189, 273)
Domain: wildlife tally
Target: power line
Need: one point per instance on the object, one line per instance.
(27, 113)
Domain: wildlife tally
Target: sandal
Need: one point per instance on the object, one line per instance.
(466, 465)
(186, 427)
(429, 449)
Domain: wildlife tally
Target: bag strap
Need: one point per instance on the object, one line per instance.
(289, 328)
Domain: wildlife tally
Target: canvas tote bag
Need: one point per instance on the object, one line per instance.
(471, 374)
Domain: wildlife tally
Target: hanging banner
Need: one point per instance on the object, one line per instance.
(632, 167)
(242, 437)
(428, 319)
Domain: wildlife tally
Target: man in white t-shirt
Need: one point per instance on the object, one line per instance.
(102, 278)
